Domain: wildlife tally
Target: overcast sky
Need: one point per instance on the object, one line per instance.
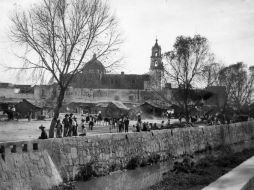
(228, 25)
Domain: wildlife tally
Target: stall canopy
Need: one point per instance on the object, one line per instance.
(26, 107)
(78, 107)
(148, 110)
(151, 108)
(6, 102)
(112, 109)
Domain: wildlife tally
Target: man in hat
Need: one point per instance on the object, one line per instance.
(70, 129)
(83, 127)
(59, 129)
(43, 133)
(74, 127)
(66, 125)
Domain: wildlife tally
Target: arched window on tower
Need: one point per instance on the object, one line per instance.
(156, 64)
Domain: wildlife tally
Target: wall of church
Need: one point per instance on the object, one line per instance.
(109, 81)
(94, 95)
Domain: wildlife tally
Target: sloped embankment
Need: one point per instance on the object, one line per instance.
(23, 169)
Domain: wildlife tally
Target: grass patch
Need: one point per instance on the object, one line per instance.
(112, 168)
(65, 186)
(85, 172)
(154, 158)
(138, 161)
(133, 163)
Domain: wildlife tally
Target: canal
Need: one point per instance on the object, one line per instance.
(138, 179)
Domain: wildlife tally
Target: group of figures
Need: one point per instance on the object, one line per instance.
(12, 113)
(69, 125)
(67, 128)
(121, 124)
(146, 126)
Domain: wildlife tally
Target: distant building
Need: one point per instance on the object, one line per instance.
(10, 91)
(13, 94)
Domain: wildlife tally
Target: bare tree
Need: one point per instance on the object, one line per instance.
(60, 36)
(185, 66)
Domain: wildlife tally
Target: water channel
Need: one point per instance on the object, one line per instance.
(138, 179)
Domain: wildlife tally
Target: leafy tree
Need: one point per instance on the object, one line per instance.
(185, 66)
(211, 74)
(60, 36)
(239, 84)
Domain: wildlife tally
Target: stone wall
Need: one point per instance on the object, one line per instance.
(108, 152)
(24, 167)
(89, 95)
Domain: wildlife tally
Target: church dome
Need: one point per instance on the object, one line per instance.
(94, 66)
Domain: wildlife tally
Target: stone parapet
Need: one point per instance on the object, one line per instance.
(240, 178)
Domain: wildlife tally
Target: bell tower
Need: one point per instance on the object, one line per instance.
(156, 67)
(156, 58)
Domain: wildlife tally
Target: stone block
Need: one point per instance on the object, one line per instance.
(74, 153)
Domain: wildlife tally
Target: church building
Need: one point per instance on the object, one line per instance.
(93, 75)
(94, 84)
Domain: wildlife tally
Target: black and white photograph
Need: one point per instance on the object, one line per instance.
(126, 95)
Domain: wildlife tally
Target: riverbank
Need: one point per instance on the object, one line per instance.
(188, 175)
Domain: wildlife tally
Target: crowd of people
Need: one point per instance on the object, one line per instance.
(69, 125)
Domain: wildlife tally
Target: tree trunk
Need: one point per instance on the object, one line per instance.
(56, 111)
(187, 116)
(186, 111)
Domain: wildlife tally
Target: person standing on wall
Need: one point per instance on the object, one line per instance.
(30, 115)
(110, 125)
(75, 127)
(83, 127)
(139, 121)
(13, 111)
(70, 129)
(139, 118)
(126, 124)
(99, 118)
(87, 118)
(91, 123)
(66, 125)
(59, 129)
